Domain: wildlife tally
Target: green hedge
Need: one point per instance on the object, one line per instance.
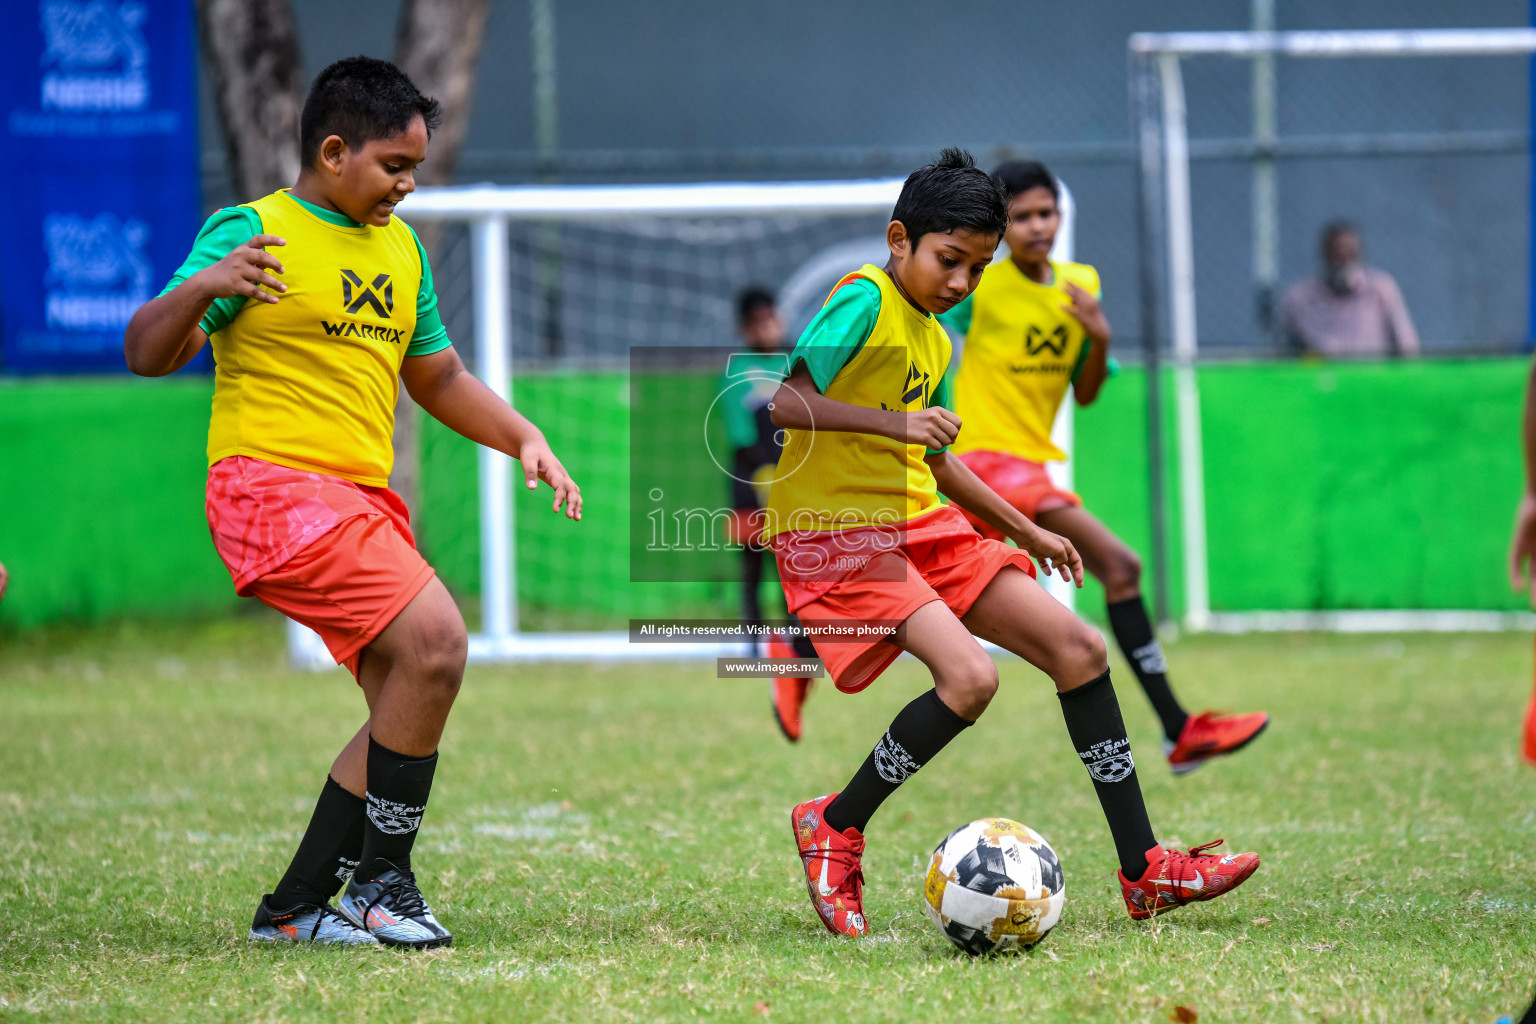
(1328, 487)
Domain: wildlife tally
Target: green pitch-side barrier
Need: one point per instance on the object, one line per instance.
(1342, 486)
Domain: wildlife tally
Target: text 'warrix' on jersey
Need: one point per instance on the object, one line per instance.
(1022, 351)
(311, 381)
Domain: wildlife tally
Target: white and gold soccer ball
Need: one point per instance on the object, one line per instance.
(994, 885)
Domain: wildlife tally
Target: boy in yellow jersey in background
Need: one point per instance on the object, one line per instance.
(1032, 328)
(310, 351)
(863, 544)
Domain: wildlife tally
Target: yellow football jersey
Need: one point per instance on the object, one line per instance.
(835, 480)
(311, 381)
(1022, 352)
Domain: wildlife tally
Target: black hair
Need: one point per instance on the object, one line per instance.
(1019, 176)
(1334, 228)
(952, 192)
(361, 99)
(751, 300)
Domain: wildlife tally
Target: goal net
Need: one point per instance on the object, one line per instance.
(607, 314)
(1247, 144)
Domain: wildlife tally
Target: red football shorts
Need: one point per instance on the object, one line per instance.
(935, 557)
(1023, 484)
(334, 555)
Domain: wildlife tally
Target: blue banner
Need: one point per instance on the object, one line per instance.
(100, 141)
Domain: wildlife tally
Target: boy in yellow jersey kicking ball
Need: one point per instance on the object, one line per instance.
(864, 546)
(1032, 328)
(311, 348)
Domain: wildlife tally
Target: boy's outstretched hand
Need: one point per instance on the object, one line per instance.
(1055, 554)
(244, 272)
(539, 463)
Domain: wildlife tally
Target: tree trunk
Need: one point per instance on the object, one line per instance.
(252, 51)
(438, 46)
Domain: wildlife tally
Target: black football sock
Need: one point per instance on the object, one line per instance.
(803, 646)
(919, 731)
(1098, 735)
(398, 787)
(751, 580)
(1133, 632)
(327, 853)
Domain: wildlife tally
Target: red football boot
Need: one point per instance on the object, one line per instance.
(1173, 879)
(789, 692)
(1212, 734)
(834, 874)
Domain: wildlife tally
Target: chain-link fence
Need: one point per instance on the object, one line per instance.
(1429, 157)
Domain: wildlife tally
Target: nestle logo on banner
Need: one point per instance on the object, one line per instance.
(98, 274)
(96, 56)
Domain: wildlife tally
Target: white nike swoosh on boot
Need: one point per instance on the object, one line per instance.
(822, 883)
(1198, 885)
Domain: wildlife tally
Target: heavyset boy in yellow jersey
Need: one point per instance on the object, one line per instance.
(347, 320)
(311, 350)
(865, 546)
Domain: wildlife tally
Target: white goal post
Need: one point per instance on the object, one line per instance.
(488, 210)
(1167, 239)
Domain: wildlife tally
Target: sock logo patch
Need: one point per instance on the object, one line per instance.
(892, 762)
(1109, 760)
(344, 868)
(392, 818)
(1149, 658)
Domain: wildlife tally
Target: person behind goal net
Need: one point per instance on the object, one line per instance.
(751, 377)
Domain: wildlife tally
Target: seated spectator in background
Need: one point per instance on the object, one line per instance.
(1349, 309)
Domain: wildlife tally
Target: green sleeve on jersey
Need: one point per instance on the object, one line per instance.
(1082, 358)
(430, 335)
(944, 397)
(838, 332)
(958, 317)
(223, 232)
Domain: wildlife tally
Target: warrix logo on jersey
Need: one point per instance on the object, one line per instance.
(914, 390)
(359, 295)
(378, 296)
(1036, 341)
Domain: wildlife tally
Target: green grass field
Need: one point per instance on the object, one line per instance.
(611, 842)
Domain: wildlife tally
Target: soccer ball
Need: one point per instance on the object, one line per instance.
(994, 885)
